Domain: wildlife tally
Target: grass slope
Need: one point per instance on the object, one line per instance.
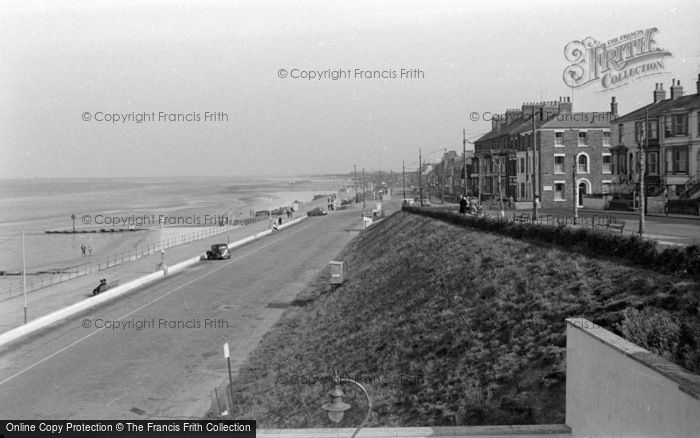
(448, 326)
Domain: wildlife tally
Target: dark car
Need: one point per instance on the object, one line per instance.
(318, 211)
(218, 251)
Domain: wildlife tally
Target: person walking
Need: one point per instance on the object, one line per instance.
(89, 249)
(83, 248)
(463, 205)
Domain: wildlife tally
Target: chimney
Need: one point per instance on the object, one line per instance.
(697, 84)
(676, 90)
(564, 105)
(659, 92)
(613, 107)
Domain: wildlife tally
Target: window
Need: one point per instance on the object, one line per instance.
(677, 161)
(558, 139)
(606, 138)
(676, 125)
(522, 165)
(522, 190)
(559, 164)
(582, 138)
(607, 185)
(620, 133)
(582, 164)
(559, 191)
(607, 163)
(653, 129)
(652, 167)
(680, 124)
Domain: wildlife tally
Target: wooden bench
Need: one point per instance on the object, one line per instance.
(522, 219)
(613, 227)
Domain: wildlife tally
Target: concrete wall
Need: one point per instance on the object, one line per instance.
(616, 388)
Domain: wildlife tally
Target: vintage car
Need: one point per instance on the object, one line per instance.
(219, 251)
(318, 211)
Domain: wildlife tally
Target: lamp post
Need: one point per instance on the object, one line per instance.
(336, 407)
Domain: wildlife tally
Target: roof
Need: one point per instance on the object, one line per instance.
(662, 107)
(581, 120)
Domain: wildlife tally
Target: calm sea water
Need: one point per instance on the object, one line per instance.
(36, 205)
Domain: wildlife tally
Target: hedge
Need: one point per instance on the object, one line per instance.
(678, 261)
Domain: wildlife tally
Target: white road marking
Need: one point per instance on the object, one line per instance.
(19, 373)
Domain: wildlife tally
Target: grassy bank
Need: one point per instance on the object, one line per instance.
(453, 326)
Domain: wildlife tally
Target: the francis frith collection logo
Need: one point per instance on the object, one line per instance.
(616, 62)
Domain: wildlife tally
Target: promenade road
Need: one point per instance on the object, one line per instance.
(168, 355)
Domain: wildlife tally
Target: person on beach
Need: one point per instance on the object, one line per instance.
(83, 248)
(89, 249)
(279, 220)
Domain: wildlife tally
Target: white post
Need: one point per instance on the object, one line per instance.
(162, 243)
(24, 277)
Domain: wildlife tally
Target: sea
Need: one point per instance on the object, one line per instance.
(34, 206)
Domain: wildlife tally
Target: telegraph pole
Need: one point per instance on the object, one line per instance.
(403, 176)
(534, 184)
(444, 177)
(420, 180)
(354, 166)
(363, 187)
(642, 165)
(464, 159)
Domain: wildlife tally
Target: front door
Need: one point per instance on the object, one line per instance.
(581, 192)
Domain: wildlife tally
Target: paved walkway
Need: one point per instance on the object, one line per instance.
(55, 297)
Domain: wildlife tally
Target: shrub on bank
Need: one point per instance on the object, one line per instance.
(631, 248)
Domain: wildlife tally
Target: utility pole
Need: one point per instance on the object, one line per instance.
(464, 160)
(444, 177)
(501, 214)
(642, 166)
(574, 191)
(354, 166)
(534, 183)
(403, 176)
(363, 187)
(420, 178)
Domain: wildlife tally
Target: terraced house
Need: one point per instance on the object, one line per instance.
(668, 129)
(572, 158)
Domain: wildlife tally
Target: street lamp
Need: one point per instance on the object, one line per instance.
(501, 214)
(336, 407)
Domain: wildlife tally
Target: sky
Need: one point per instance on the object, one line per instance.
(67, 66)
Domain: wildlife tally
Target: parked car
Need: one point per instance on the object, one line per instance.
(219, 251)
(318, 211)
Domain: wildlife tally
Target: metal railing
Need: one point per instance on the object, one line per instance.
(49, 278)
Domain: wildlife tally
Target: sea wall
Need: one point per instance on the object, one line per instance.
(616, 388)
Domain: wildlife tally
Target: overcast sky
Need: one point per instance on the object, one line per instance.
(61, 59)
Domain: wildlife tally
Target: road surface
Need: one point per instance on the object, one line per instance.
(166, 354)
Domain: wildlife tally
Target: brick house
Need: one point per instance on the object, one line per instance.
(563, 138)
(672, 146)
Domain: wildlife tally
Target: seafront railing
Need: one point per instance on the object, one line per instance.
(59, 275)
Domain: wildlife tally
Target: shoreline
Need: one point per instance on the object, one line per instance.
(51, 251)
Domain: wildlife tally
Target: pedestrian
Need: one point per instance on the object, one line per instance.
(89, 248)
(279, 220)
(83, 248)
(463, 205)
